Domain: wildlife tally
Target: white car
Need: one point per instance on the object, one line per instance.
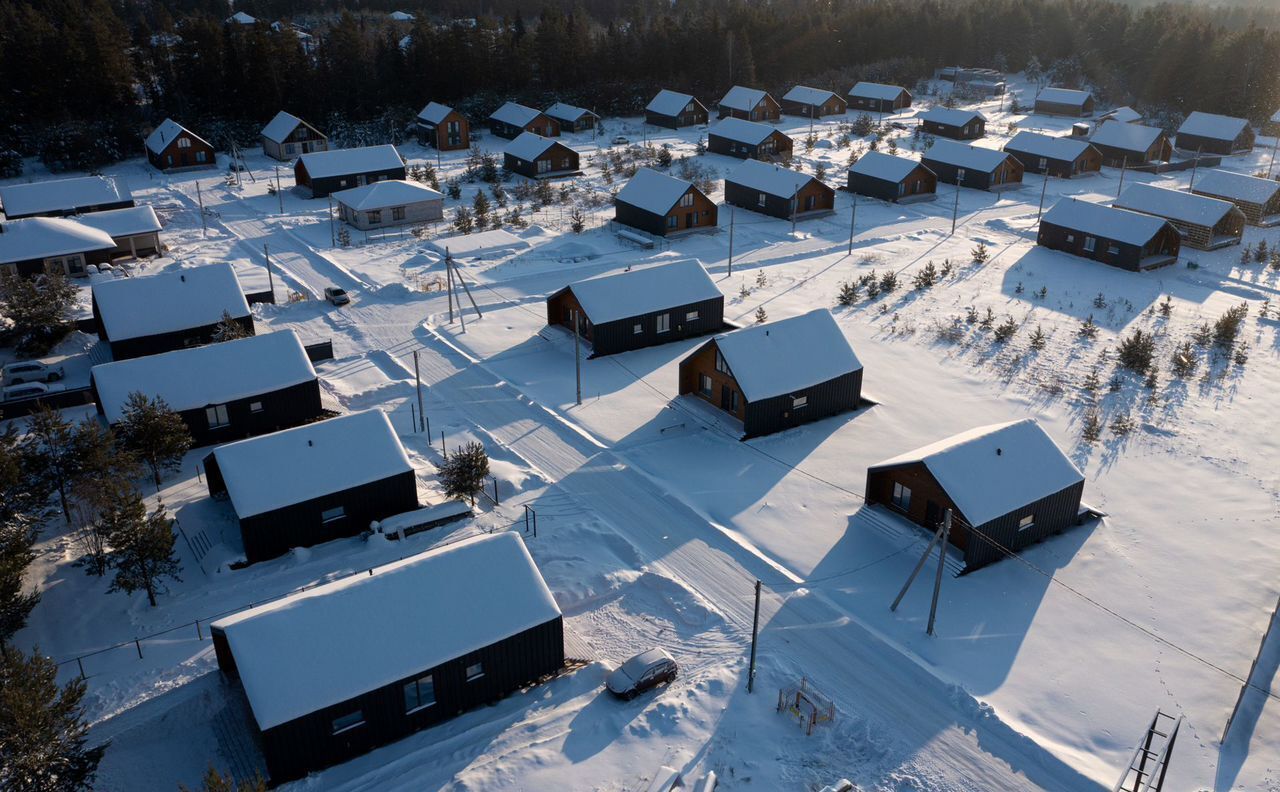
(27, 390)
(336, 296)
(30, 371)
(620, 140)
(646, 670)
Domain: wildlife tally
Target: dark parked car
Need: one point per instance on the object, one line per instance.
(642, 672)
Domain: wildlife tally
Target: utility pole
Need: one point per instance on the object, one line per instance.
(1274, 146)
(731, 217)
(577, 359)
(271, 281)
(937, 581)
(1124, 165)
(279, 194)
(755, 631)
(204, 229)
(1044, 166)
(333, 232)
(417, 378)
(853, 219)
(955, 212)
(1195, 168)
(448, 274)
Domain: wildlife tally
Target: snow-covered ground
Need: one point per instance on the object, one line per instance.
(655, 521)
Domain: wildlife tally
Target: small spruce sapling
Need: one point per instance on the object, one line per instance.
(1038, 338)
(1088, 329)
(980, 254)
(1006, 330)
(1091, 431)
(762, 316)
(462, 473)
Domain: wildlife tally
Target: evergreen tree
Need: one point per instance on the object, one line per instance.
(155, 433)
(463, 473)
(142, 548)
(480, 206)
(215, 781)
(24, 490)
(38, 310)
(55, 437)
(228, 329)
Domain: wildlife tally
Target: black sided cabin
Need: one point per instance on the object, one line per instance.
(52, 245)
(538, 157)
(172, 147)
(443, 128)
(339, 669)
(891, 178)
(1061, 157)
(1215, 134)
(662, 205)
(778, 375)
(953, 124)
(973, 166)
(287, 137)
(749, 104)
(777, 191)
(1258, 198)
(809, 102)
(512, 119)
(878, 98)
(1205, 223)
(1064, 102)
(748, 140)
(1007, 485)
(673, 110)
(1115, 237)
(571, 118)
(640, 308)
(63, 197)
(1127, 144)
(323, 172)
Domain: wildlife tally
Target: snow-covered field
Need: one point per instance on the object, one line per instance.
(655, 521)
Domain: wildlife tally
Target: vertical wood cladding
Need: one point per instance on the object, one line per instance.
(637, 332)
(703, 213)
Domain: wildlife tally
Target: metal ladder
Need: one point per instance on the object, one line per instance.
(1147, 767)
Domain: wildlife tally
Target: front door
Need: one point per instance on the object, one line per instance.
(361, 180)
(690, 219)
(932, 515)
(726, 398)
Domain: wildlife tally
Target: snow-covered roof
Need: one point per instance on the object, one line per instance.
(608, 298)
(1049, 146)
(951, 116)
(769, 178)
(386, 194)
(1065, 96)
(1176, 205)
(169, 301)
(401, 16)
(1275, 119)
(1237, 186)
(959, 155)
(789, 355)
(1209, 125)
(878, 165)
(742, 131)
(282, 126)
(809, 96)
(1126, 136)
(43, 237)
(341, 162)
(514, 114)
(241, 18)
(992, 470)
(128, 221)
(742, 98)
(434, 113)
(164, 134)
(528, 146)
(567, 112)
(188, 379)
(652, 191)
(61, 195)
(1124, 114)
(331, 643)
(280, 469)
(669, 103)
(870, 90)
(1105, 222)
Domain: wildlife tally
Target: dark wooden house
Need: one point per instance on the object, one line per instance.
(538, 157)
(287, 137)
(511, 120)
(362, 661)
(1126, 144)
(1205, 223)
(891, 178)
(313, 483)
(324, 172)
(748, 140)
(662, 205)
(224, 392)
(1116, 237)
(173, 147)
(175, 309)
(1215, 134)
(777, 191)
(673, 110)
(777, 375)
(1258, 198)
(973, 166)
(63, 197)
(1007, 485)
(813, 102)
(48, 245)
(640, 307)
(1064, 102)
(954, 124)
(571, 118)
(1062, 157)
(878, 98)
(443, 128)
(749, 104)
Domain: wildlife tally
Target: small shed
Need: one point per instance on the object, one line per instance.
(1007, 485)
(1063, 157)
(224, 391)
(955, 124)
(325, 172)
(313, 483)
(879, 98)
(1064, 102)
(571, 118)
(973, 166)
(813, 102)
(1116, 237)
(777, 191)
(1205, 223)
(512, 119)
(640, 307)
(892, 178)
(339, 669)
(663, 205)
(777, 375)
(390, 203)
(673, 110)
(286, 136)
(172, 310)
(749, 104)
(1215, 134)
(538, 157)
(748, 140)
(135, 230)
(1130, 144)
(443, 128)
(63, 197)
(1258, 198)
(47, 245)
(173, 147)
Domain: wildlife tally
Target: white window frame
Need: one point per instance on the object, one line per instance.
(255, 407)
(761, 199)
(799, 401)
(1090, 244)
(663, 323)
(216, 415)
(706, 386)
(475, 671)
(722, 365)
(184, 142)
(417, 684)
(637, 329)
(686, 200)
(335, 729)
(328, 515)
(1027, 522)
(691, 316)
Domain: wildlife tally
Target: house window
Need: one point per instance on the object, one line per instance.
(201, 156)
(692, 316)
(475, 671)
(1026, 522)
(1071, 238)
(637, 329)
(760, 200)
(329, 515)
(1113, 250)
(722, 365)
(799, 401)
(664, 323)
(348, 722)
(673, 222)
(565, 164)
(217, 416)
(342, 182)
(544, 166)
(255, 407)
(419, 694)
(901, 496)
(375, 216)
(1090, 244)
(397, 213)
(704, 384)
(686, 199)
(184, 143)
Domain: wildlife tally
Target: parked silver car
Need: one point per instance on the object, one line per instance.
(30, 371)
(642, 672)
(336, 295)
(27, 390)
